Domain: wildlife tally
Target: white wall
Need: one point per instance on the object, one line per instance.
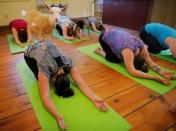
(76, 8)
(11, 9)
(79, 8)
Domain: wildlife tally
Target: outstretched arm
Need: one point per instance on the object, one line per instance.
(86, 90)
(45, 95)
(79, 35)
(94, 27)
(29, 41)
(65, 32)
(15, 35)
(156, 67)
(128, 59)
(171, 42)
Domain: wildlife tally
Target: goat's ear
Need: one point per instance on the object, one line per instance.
(47, 6)
(64, 8)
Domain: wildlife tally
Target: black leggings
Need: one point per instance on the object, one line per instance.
(59, 29)
(109, 54)
(153, 44)
(70, 32)
(32, 64)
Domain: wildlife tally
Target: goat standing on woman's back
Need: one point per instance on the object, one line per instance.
(40, 24)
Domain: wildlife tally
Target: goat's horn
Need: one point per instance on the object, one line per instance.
(64, 8)
(47, 6)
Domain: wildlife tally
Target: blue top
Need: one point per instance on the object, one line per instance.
(92, 20)
(161, 32)
(64, 21)
(118, 40)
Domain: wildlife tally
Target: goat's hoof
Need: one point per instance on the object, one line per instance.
(44, 47)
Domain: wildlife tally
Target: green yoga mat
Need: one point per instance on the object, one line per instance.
(153, 85)
(60, 37)
(166, 55)
(78, 112)
(14, 48)
(93, 32)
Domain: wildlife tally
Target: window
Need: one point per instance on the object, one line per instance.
(98, 8)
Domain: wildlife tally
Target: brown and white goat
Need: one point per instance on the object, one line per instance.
(40, 24)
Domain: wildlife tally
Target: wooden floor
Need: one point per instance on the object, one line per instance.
(144, 109)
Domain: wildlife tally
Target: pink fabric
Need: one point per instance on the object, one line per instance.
(18, 24)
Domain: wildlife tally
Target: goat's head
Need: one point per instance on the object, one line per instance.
(55, 11)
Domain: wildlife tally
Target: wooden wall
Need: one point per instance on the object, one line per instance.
(164, 11)
(130, 14)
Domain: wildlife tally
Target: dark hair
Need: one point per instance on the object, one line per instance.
(71, 31)
(22, 35)
(59, 29)
(100, 26)
(140, 64)
(62, 86)
(80, 24)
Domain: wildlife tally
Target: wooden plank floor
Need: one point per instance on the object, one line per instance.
(144, 109)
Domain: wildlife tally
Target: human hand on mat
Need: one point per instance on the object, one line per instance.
(164, 81)
(61, 123)
(29, 41)
(22, 45)
(168, 75)
(100, 105)
(72, 38)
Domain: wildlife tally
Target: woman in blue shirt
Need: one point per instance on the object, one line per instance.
(159, 37)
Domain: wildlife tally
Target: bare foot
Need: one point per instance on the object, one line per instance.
(100, 52)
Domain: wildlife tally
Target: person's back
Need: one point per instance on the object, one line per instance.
(66, 27)
(159, 37)
(92, 20)
(118, 39)
(63, 20)
(18, 24)
(47, 60)
(18, 28)
(160, 32)
(117, 35)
